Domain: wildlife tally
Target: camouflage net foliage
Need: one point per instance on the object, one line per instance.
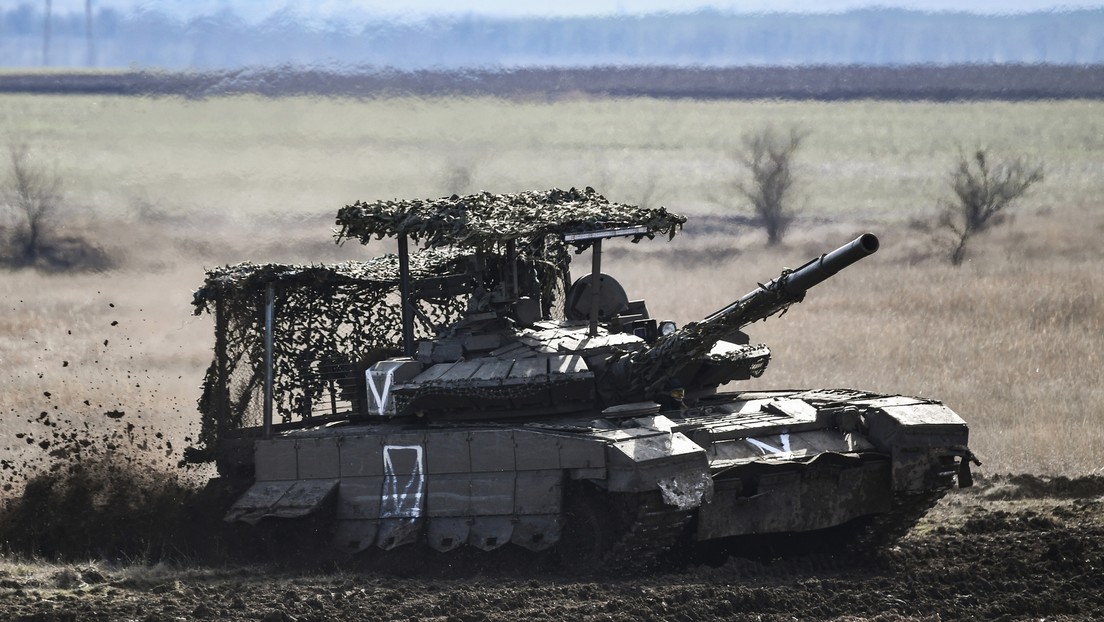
(337, 316)
(483, 221)
(324, 315)
(649, 371)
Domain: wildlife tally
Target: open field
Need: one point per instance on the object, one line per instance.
(1012, 340)
(264, 161)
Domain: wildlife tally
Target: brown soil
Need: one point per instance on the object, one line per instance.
(1012, 548)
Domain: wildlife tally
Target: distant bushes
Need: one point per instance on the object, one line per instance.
(767, 155)
(982, 188)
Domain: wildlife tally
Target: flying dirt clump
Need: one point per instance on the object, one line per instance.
(89, 448)
(93, 488)
(104, 508)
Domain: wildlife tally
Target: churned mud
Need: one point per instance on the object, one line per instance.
(1012, 548)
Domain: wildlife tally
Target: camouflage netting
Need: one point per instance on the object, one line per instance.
(483, 221)
(330, 321)
(326, 317)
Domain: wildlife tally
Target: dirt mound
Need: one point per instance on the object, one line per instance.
(1026, 486)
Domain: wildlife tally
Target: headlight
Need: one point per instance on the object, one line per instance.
(666, 328)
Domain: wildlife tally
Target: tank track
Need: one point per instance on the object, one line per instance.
(655, 529)
(906, 510)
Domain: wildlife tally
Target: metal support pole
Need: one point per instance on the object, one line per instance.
(222, 406)
(512, 266)
(595, 285)
(269, 327)
(404, 294)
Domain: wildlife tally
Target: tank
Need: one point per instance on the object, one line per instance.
(468, 392)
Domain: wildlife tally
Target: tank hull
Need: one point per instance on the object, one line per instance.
(736, 464)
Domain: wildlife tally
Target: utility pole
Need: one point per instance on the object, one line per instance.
(46, 36)
(89, 33)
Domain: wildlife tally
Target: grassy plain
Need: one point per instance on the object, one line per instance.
(1012, 340)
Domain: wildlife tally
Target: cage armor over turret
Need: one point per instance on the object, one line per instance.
(472, 394)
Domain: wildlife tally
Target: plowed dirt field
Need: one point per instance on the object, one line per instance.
(1011, 548)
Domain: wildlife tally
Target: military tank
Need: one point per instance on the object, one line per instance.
(470, 393)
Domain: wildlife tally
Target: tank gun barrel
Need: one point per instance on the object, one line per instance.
(777, 294)
(647, 371)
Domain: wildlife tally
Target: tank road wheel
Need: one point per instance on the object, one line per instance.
(589, 529)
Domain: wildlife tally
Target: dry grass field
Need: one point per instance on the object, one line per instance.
(1012, 339)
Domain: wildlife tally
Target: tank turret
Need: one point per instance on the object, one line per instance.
(507, 357)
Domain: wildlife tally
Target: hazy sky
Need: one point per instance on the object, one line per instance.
(359, 9)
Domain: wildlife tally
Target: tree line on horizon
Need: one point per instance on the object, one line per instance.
(108, 38)
(1006, 82)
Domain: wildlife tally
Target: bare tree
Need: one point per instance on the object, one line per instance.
(31, 194)
(647, 191)
(458, 177)
(768, 157)
(982, 190)
(622, 184)
(460, 166)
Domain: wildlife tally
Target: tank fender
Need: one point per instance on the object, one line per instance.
(925, 439)
(281, 499)
(789, 496)
(647, 459)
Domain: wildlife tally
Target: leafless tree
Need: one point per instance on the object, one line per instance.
(460, 166)
(458, 177)
(767, 155)
(981, 190)
(31, 194)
